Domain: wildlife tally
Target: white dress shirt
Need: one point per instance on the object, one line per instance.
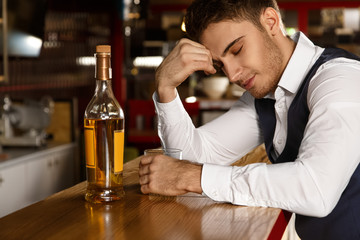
(328, 155)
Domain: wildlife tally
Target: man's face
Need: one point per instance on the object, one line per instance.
(246, 55)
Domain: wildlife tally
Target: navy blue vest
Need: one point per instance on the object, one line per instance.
(344, 221)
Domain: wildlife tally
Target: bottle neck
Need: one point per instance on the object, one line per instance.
(103, 87)
(103, 66)
(103, 75)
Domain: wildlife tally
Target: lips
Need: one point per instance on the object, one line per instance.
(248, 83)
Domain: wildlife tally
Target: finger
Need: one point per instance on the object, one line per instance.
(188, 46)
(200, 65)
(145, 160)
(145, 189)
(210, 72)
(194, 51)
(144, 180)
(208, 69)
(144, 169)
(190, 58)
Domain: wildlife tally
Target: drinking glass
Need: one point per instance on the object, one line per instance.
(171, 152)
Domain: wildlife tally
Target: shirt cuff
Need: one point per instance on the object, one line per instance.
(171, 112)
(216, 182)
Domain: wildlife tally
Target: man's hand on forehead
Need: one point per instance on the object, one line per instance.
(186, 58)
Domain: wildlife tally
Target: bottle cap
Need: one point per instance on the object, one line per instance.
(103, 48)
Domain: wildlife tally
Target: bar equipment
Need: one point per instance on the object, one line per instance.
(25, 124)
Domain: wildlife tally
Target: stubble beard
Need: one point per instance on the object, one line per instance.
(272, 70)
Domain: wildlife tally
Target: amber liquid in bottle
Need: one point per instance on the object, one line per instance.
(104, 139)
(104, 175)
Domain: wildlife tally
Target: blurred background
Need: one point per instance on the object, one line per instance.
(47, 70)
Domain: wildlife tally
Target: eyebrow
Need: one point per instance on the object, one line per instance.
(230, 45)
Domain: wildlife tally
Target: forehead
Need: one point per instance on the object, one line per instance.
(217, 36)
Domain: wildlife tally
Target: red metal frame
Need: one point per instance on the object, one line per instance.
(118, 81)
(280, 225)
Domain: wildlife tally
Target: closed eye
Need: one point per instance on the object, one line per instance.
(238, 51)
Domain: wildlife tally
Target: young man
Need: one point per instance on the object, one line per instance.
(301, 100)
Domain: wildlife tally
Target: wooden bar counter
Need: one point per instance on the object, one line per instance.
(66, 215)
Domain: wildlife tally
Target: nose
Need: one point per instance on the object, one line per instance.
(232, 71)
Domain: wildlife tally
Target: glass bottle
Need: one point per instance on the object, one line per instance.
(104, 136)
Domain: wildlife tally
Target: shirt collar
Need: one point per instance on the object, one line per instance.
(302, 59)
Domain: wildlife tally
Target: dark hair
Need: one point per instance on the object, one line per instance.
(201, 13)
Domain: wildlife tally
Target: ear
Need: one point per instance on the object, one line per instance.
(270, 20)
